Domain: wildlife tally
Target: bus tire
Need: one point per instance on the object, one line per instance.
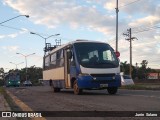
(112, 90)
(77, 90)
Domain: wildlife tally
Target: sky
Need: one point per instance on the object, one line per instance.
(78, 19)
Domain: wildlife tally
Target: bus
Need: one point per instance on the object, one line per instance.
(83, 64)
(12, 78)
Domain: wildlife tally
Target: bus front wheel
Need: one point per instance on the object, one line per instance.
(112, 90)
(77, 90)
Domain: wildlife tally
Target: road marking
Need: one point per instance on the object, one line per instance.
(23, 106)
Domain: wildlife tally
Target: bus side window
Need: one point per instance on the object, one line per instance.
(61, 61)
(58, 58)
(53, 60)
(47, 62)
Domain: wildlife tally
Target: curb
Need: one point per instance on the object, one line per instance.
(22, 105)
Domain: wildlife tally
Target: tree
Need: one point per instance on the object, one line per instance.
(144, 68)
(34, 73)
(1, 76)
(124, 67)
(141, 72)
(144, 64)
(1, 73)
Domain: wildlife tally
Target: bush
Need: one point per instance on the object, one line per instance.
(1, 82)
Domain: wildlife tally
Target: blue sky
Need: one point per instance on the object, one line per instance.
(78, 19)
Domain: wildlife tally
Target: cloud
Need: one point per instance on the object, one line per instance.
(101, 18)
(62, 12)
(110, 5)
(24, 30)
(149, 20)
(8, 36)
(10, 48)
(12, 35)
(2, 36)
(74, 13)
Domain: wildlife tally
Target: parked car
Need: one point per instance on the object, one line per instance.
(126, 80)
(27, 83)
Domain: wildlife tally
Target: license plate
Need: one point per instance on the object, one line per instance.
(103, 85)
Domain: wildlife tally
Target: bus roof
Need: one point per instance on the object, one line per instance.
(72, 42)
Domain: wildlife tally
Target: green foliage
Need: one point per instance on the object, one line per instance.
(33, 74)
(124, 66)
(140, 72)
(1, 76)
(1, 82)
(1, 90)
(142, 87)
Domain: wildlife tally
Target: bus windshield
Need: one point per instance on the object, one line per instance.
(96, 55)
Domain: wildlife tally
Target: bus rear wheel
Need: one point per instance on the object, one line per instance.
(112, 90)
(77, 90)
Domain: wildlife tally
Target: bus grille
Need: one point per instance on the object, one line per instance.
(102, 75)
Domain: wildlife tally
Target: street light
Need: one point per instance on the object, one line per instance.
(16, 64)
(26, 60)
(45, 38)
(27, 16)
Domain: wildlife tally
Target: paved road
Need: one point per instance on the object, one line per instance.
(42, 98)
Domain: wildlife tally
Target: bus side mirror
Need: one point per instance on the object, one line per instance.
(69, 54)
(117, 54)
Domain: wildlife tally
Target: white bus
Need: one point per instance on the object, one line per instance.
(83, 64)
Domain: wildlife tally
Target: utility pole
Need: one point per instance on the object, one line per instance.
(117, 10)
(130, 38)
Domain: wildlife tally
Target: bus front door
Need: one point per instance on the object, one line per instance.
(67, 69)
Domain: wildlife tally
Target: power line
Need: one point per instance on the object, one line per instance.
(144, 30)
(142, 27)
(20, 29)
(13, 28)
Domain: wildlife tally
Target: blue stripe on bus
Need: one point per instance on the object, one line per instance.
(88, 82)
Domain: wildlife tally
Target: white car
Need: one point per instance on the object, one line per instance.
(126, 80)
(27, 83)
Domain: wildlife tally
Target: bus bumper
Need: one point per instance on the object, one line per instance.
(89, 82)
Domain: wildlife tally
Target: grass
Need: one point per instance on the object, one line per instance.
(9, 100)
(1, 90)
(142, 87)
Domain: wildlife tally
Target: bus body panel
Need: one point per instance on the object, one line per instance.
(54, 74)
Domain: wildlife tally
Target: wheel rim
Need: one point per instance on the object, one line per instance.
(76, 89)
